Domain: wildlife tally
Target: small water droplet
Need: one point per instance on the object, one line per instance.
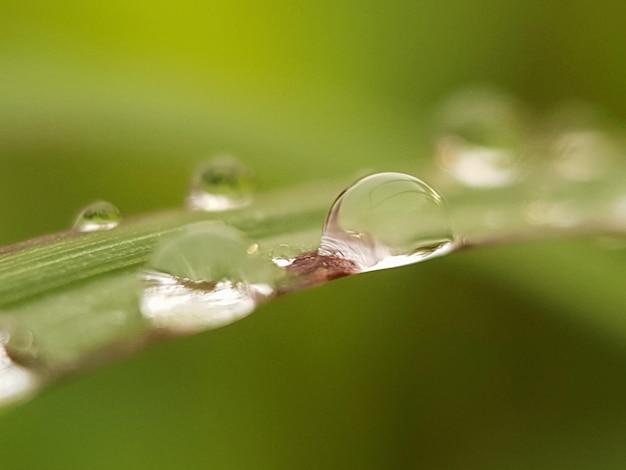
(387, 220)
(223, 183)
(204, 278)
(17, 383)
(478, 138)
(283, 255)
(98, 216)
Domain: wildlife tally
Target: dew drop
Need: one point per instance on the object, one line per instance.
(98, 216)
(223, 183)
(387, 220)
(478, 138)
(17, 383)
(205, 277)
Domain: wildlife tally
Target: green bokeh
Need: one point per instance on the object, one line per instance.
(509, 357)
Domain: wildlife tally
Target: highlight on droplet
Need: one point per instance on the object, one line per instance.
(223, 183)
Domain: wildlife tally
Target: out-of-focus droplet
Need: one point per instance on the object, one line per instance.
(204, 278)
(98, 216)
(17, 383)
(477, 166)
(387, 220)
(619, 211)
(555, 214)
(583, 155)
(479, 135)
(223, 183)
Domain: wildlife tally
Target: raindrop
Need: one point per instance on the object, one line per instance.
(478, 138)
(98, 216)
(223, 183)
(16, 382)
(387, 220)
(205, 277)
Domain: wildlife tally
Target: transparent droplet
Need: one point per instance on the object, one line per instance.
(387, 220)
(98, 216)
(17, 383)
(204, 278)
(223, 183)
(478, 135)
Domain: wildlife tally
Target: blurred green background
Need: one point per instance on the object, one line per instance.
(502, 358)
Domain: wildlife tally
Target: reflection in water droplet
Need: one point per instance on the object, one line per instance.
(221, 184)
(387, 220)
(478, 138)
(16, 382)
(204, 278)
(98, 216)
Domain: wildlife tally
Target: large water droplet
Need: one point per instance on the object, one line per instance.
(16, 382)
(98, 216)
(203, 278)
(387, 220)
(478, 138)
(221, 184)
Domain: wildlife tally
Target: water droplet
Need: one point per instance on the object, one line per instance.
(283, 255)
(478, 138)
(387, 220)
(17, 383)
(221, 184)
(583, 155)
(98, 216)
(556, 214)
(619, 211)
(204, 278)
(477, 166)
